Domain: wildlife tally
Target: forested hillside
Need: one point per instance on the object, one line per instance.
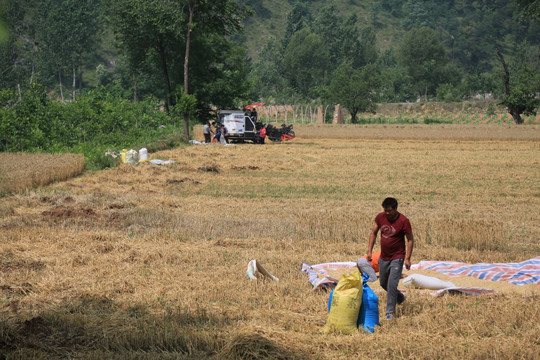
(443, 49)
(352, 52)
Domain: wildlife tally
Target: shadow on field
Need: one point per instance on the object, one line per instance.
(96, 328)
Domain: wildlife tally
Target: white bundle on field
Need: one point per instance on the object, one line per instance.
(255, 269)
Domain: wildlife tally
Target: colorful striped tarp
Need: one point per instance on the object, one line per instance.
(525, 272)
(318, 274)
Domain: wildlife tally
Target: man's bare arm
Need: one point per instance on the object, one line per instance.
(410, 246)
(372, 238)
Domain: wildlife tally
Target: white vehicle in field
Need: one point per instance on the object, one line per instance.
(244, 125)
(240, 125)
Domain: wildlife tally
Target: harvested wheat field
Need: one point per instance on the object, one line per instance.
(141, 262)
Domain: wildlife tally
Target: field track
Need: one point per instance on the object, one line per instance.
(410, 131)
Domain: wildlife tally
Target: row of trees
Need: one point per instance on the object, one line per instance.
(190, 53)
(176, 50)
(447, 52)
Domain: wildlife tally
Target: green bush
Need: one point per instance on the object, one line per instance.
(434, 120)
(448, 93)
(94, 123)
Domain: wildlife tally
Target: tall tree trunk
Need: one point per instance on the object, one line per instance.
(60, 81)
(162, 56)
(134, 89)
(191, 5)
(80, 80)
(506, 77)
(74, 84)
(353, 116)
(32, 74)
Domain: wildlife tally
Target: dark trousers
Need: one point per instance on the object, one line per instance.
(207, 138)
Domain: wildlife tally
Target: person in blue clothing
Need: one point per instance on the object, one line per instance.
(217, 136)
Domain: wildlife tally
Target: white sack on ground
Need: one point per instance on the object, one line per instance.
(161, 162)
(426, 282)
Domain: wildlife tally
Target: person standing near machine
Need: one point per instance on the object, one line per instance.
(207, 133)
(225, 133)
(262, 134)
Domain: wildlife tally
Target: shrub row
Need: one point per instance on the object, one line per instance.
(98, 120)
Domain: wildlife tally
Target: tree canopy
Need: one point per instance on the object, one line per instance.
(356, 89)
(290, 53)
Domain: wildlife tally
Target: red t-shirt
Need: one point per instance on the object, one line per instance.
(263, 133)
(393, 236)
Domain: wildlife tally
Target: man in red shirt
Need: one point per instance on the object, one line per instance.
(394, 228)
(262, 134)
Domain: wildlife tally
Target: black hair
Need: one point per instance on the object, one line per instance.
(390, 202)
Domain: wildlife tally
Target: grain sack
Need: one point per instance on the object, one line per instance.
(426, 282)
(345, 306)
(368, 317)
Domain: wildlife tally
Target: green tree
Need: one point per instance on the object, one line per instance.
(479, 83)
(340, 35)
(357, 90)
(520, 94)
(397, 84)
(266, 73)
(221, 75)
(18, 48)
(4, 34)
(342, 39)
(148, 29)
(207, 18)
(529, 8)
(305, 62)
(368, 52)
(418, 14)
(170, 31)
(297, 19)
(422, 54)
(67, 31)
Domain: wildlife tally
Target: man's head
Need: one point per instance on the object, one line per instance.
(390, 208)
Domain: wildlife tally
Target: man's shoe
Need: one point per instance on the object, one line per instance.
(389, 317)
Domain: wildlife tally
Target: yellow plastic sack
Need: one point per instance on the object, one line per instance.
(346, 302)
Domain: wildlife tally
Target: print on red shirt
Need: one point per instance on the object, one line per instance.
(393, 236)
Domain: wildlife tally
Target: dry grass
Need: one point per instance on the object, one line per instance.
(149, 262)
(420, 132)
(19, 171)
